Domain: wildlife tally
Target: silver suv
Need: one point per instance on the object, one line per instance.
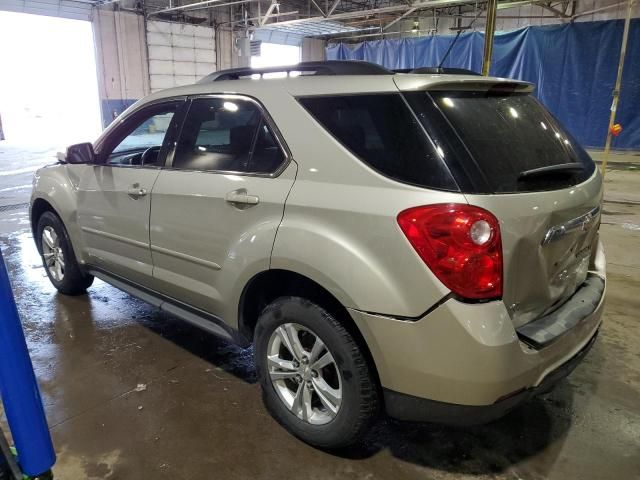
(422, 243)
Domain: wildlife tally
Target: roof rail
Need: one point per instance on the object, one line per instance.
(329, 67)
(438, 70)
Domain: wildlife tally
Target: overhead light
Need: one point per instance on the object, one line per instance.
(416, 25)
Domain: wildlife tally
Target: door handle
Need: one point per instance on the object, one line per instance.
(136, 192)
(240, 197)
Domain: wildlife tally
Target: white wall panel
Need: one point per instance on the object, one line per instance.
(203, 69)
(159, 52)
(206, 43)
(179, 54)
(160, 67)
(184, 68)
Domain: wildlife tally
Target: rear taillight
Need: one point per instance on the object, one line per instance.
(460, 244)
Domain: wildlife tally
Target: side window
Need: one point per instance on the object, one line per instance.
(140, 141)
(267, 154)
(226, 135)
(383, 133)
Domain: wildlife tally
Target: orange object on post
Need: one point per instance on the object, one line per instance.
(615, 129)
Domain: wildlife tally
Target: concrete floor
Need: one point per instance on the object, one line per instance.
(199, 412)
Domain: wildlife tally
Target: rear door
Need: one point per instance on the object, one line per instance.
(514, 159)
(114, 197)
(216, 209)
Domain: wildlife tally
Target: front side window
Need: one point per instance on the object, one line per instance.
(140, 141)
(227, 135)
(382, 132)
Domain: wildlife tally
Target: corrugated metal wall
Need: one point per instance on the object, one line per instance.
(179, 54)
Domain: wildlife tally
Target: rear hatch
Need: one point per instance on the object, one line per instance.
(510, 156)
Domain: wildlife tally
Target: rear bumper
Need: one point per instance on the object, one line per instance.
(468, 360)
(407, 407)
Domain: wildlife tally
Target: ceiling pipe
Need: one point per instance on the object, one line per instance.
(182, 7)
(374, 11)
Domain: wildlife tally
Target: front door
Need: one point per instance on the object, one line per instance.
(215, 211)
(115, 195)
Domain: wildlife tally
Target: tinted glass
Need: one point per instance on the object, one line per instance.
(510, 134)
(226, 135)
(267, 155)
(217, 134)
(382, 131)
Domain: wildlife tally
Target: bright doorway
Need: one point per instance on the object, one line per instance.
(49, 84)
(276, 55)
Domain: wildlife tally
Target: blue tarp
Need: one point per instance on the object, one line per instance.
(573, 66)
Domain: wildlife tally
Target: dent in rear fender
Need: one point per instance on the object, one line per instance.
(382, 274)
(57, 185)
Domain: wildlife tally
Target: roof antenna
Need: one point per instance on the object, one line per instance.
(459, 29)
(449, 49)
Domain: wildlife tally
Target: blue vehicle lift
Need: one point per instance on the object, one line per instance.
(33, 456)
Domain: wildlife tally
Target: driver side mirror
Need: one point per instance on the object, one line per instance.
(80, 153)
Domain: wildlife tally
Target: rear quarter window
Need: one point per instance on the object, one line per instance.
(382, 131)
(507, 135)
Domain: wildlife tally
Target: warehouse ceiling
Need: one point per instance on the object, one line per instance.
(327, 19)
(335, 18)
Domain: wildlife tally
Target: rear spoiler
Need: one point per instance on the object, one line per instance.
(461, 82)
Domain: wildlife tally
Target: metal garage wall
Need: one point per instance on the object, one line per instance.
(50, 8)
(121, 56)
(179, 54)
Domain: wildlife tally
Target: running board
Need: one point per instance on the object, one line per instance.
(196, 317)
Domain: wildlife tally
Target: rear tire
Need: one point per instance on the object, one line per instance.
(334, 381)
(58, 258)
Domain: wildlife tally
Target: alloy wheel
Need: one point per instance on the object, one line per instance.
(52, 253)
(304, 373)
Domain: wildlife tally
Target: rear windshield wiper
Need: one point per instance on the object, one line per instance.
(551, 169)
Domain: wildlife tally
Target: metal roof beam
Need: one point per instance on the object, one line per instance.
(272, 7)
(333, 7)
(374, 11)
(318, 7)
(404, 15)
(555, 11)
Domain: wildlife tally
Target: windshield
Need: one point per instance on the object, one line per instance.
(511, 138)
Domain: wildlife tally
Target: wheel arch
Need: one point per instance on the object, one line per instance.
(38, 207)
(269, 285)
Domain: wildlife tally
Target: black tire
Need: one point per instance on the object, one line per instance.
(74, 281)
(360, 400)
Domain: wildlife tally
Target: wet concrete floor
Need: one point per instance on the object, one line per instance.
(132, 393)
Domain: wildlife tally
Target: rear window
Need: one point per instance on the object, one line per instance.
(382, 131)
(512, 139)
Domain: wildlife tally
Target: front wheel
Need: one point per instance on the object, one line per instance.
(58, 258)
(316, 380)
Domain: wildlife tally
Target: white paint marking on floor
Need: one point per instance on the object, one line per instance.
(18, 171)
(19, 187)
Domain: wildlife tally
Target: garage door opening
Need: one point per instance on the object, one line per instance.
(276, 55)
(48, 87)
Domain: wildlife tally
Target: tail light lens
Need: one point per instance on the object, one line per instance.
(460, 244)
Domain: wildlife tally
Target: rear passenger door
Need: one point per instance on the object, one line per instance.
(216, 208)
